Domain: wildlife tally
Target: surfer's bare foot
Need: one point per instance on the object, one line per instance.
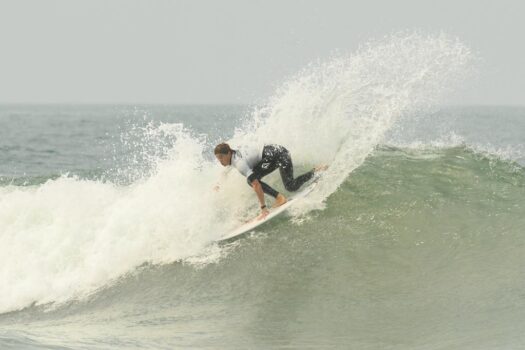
(320, 168)
(280, 200)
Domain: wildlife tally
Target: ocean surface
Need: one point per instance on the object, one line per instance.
(414, 238)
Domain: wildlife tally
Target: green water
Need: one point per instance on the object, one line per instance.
(417, 250)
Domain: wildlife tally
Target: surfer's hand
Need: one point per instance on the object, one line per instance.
(264, 213)
(216, 188)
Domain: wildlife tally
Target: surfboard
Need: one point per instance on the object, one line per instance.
(253, 223)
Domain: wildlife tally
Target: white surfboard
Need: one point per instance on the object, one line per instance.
(252, 224)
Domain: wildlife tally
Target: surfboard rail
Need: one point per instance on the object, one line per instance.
(254, 223)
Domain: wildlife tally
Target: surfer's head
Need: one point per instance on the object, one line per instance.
(223, 153)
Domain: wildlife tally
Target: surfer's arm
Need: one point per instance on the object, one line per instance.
(256, 185)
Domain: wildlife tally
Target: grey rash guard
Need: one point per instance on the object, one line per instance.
(244, 160)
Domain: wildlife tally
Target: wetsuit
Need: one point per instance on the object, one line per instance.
(255, 165)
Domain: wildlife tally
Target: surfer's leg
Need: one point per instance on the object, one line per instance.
(268, 163)
(266, 188)
(286, 170)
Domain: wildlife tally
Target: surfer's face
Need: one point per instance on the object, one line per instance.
(224, 159)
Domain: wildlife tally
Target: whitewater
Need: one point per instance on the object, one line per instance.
(109, 221)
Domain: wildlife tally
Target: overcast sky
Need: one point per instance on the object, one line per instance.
(234, 51)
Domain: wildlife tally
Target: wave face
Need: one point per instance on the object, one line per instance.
(418, 248)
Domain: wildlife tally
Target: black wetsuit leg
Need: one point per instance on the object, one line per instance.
(267, 165)
(273, 157)
(268, 189)
(265, 187)
(286, 170)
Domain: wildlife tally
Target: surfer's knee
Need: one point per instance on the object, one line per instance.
(291, 187)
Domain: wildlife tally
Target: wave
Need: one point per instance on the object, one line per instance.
(68, 237)
(415, 232)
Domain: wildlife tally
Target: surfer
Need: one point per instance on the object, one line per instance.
(254, 164)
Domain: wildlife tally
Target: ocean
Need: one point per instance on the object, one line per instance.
(413, 238)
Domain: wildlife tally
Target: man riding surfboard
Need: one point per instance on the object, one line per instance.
(255, 164)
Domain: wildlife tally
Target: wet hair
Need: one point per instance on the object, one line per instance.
(222, 148)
